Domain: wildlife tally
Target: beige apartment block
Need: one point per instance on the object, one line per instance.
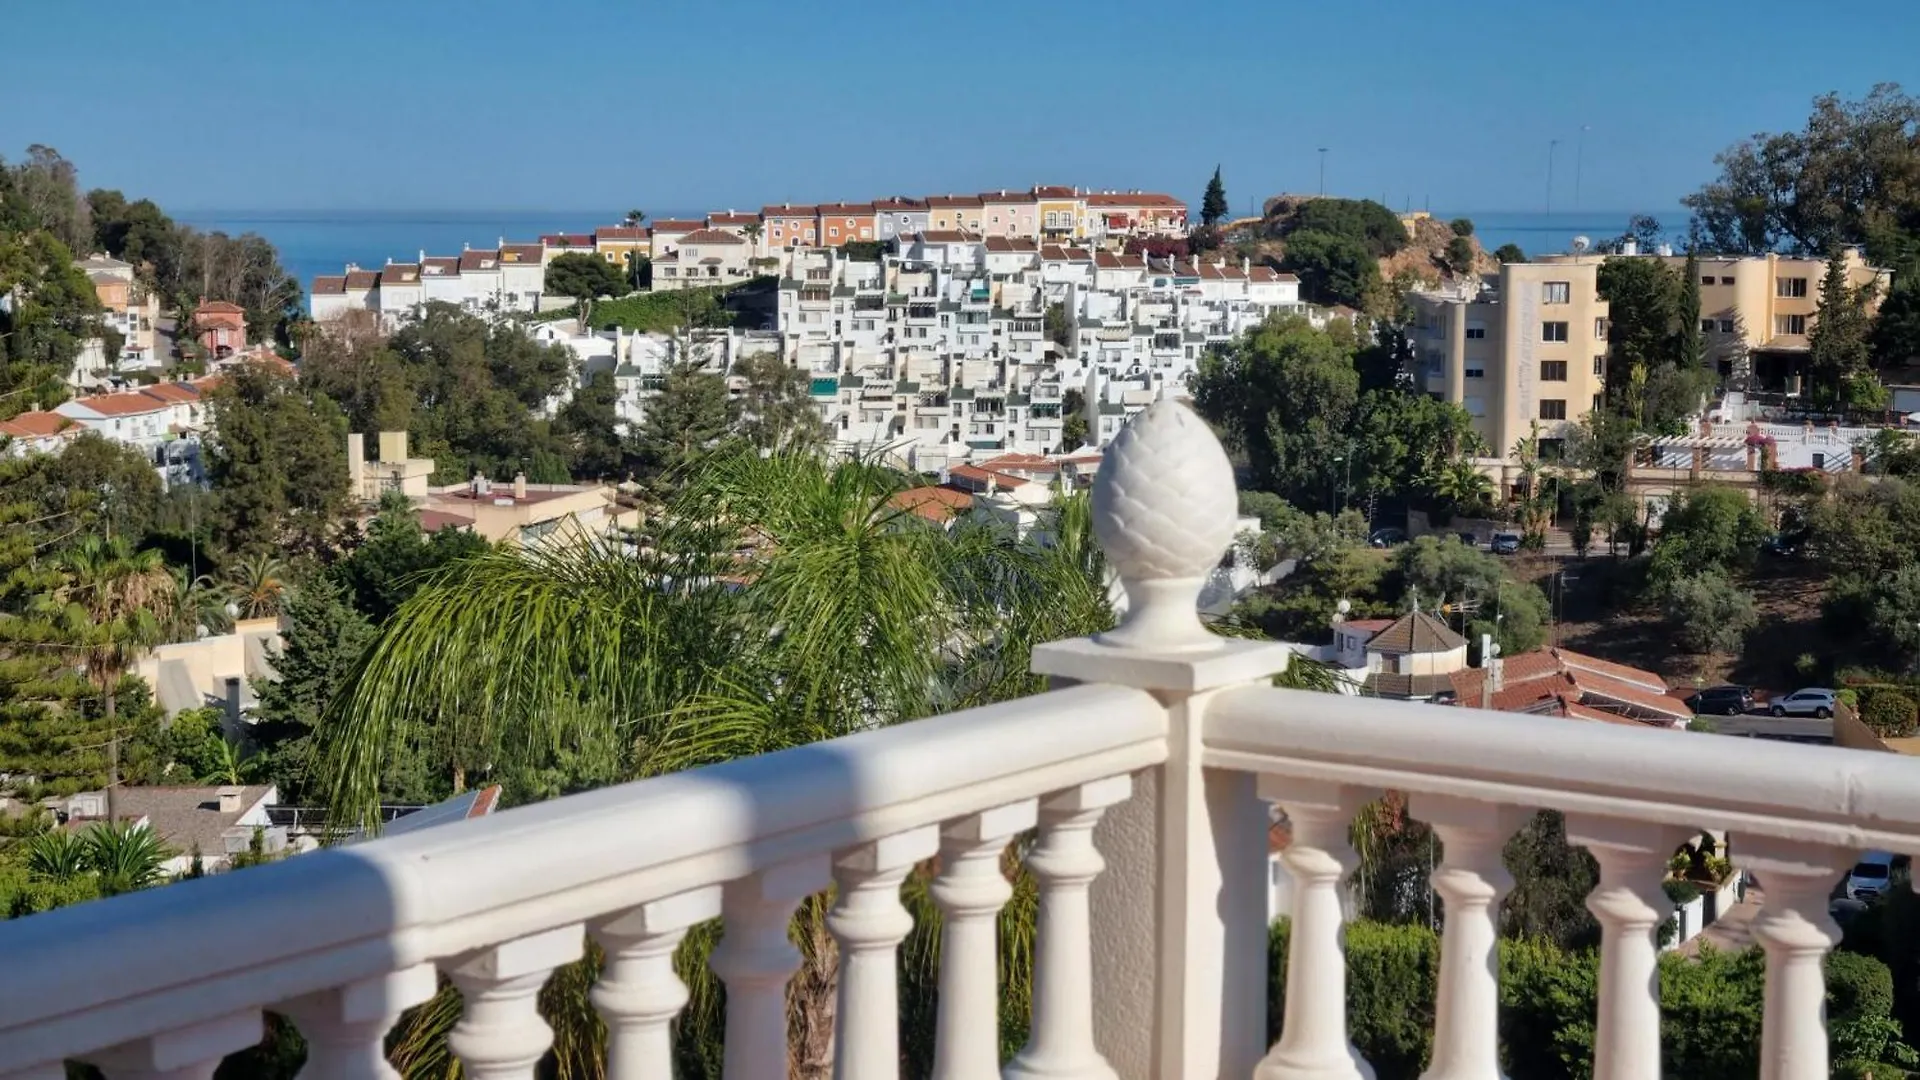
(1763, 306)
(1528, 349)
(523, 514)
(394, 471)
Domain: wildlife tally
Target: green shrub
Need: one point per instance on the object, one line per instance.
(1890, 713)
(1849, 697)
(1680, 891)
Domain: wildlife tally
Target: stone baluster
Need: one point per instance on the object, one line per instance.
(500, 1035)
(970, 891)
(638, 993)
(1630, 905)
(1471, 879)
(1313, 1034)
(1796, 931)
(869, 922)
(346, 1027)
(1064, 863)
(755, 959)
(189, 1053)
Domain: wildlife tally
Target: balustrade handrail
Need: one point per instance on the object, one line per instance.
(135, 965)
(1812, 794)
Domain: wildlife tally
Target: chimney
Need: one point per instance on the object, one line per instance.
(520, 485)
(230, 799)
(422, 256)
(393, 447)
(356, 462)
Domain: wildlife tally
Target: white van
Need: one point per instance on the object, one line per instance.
(1870, 876)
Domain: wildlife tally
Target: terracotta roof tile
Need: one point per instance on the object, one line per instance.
(440, 266)
(680, 225)
(400, 274)
(1012, 243)
(712, 236)
(219, 307)
(845, 209)
(38, 425)
(1416, 632)
(520, 253)
(1003, 197)
(479, 259)
(974, 475)
(620, 232)
(787, 210)
(1133, 199)
(174, 392)
(362, 279)
(1054, 191)
(715, 221)
(1639, 676)
(329, 284)
(950, 202)
(936, 504)
(127, 404)
(567, 240)
(897, 203)
(948, 236)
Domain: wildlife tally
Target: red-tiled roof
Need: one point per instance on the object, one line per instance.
(679, 225)
(711, 236)
(936, 504)
(439, 266)
(715, 221)
(845, 209)
(174, 392)
(327, 284)
(362, 279)
(435, 520)
(37, 425)
(1268, 273)
(1004, 196)
(1029, 462)
(127, 404)
(1138, 198)
(400, 274)
(786, 211)
(899, 202)
(1012, 243)
(567, 240)
(1533, 676)
(972, 475)
(1054, 191)
(478, 259)
(1638, 676)
(1366, 626)
(949, 202)
(621, 232)
(949, 236)
(1053, 253)
(520, 253)
(219, 307)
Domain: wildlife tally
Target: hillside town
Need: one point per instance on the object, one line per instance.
(1046, 631)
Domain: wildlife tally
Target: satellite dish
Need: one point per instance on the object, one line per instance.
(1580, 244)
(1343, 606)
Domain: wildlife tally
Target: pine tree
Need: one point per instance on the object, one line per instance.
(1896, 330)
(776, 409)
(324, 637)
(1688, 353)
(1838, 352)
(1213, 205)
(687, 419)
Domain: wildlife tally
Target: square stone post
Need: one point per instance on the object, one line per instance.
(1180, 915)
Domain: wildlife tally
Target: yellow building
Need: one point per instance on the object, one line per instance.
(1762, 307)
(1531, 349)
(1063, 213)
(615, 242)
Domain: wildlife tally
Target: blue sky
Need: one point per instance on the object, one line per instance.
(576, 104)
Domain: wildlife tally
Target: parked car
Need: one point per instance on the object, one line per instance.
(1505, 543)
(1782, 545)
(1870, 876)
(1809, 702)
(1468, 539)
(1386, 538)
(1721, 701)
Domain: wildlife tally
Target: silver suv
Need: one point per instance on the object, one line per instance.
(1810, 702)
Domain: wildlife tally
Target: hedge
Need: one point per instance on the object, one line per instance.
(1710, 1007)
(1890, 713)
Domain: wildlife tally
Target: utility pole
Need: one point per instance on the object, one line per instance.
(1552, 145)
(1323, 170)
(1579, 153)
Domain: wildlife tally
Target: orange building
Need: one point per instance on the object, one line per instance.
(221, 328)
(789, 226)
(840, 223)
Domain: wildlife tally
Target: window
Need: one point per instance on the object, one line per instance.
(1596, 403)
(1553, 331)
(1790, 286)
(1553, 409)
(1476, 373)
(1706, 279)
(1553, 371)
(1706, 326)
(1726, 326)
(1727, 280)
(1820, 461)
(1556, 292)
(1599, 365)
(1600, 329)
(833, 230)
(1789, 324)
(1476, 333)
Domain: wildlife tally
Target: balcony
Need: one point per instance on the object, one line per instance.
(1147, 784)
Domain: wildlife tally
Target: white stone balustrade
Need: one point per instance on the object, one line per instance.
(1145, 785)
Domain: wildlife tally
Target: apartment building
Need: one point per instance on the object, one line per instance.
(704, 257)
(956, 213)
(1014, 214)
(1123, 214)
(131, 309)
(1062, 212)
(839, 224)
(1758, 310)
(615, 243)
(165, 422)
(510, 277)
(899, 216)
(1529, 348)
(790, 226)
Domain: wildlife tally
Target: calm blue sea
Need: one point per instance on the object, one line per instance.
(315, 242)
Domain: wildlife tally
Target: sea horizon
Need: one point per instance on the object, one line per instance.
(313, 241)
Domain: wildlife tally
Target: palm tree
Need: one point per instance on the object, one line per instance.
(111, 607)
(257, 585)
(775, 601)
(1462, 486)
(635, 217)
(198, 602)
(752, 231)
(126, 856)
